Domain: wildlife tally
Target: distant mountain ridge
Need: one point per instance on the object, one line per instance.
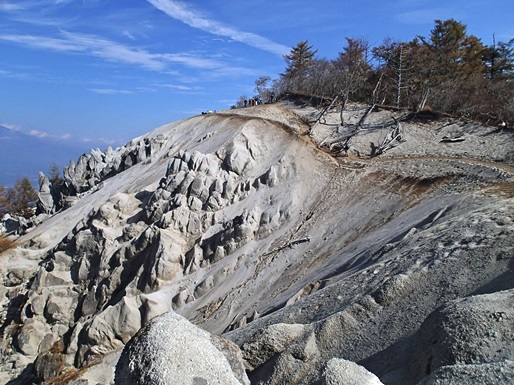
(25, 155)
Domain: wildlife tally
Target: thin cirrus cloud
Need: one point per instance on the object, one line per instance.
(18, 5)
(419, 16)
(111, 51)
(105, 141)
(180, 87)
(110, 91)
(180, 12)
(9, 7)
(38, 134)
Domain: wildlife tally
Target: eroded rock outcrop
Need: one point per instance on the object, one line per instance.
(45, 203)
(91, 287)
(91, 169)
(243, 226)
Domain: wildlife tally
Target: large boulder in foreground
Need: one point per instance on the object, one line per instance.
(466, 338)
(339, 371)
(171, 350)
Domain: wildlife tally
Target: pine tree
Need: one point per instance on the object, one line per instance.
(54, 174)
(298, 63)
(452, 69)
(3, 202)
(499, 60)
(20, 199)
(454, 53)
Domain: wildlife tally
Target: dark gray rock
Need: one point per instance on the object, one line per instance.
(469, 331)
(495, 373)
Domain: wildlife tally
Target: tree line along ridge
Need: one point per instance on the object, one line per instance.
(449, 71)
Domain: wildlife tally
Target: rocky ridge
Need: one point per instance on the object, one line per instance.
(251, 224)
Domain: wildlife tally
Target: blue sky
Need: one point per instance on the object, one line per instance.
(101, 72)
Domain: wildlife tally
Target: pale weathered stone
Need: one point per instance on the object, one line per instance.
(30, 336)
(45, 199)
(249, 216)
(338, 371)
(270, 341)
(169, 349)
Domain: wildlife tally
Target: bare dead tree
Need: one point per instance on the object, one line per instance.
(321, 116)
(392, 139)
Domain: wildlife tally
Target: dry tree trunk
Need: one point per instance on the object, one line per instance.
(363, 118)
(424, 99)
(326, 109)
(321, 115)
(343, 104)
(393, 136)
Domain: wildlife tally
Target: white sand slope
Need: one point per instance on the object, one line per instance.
(249, 218)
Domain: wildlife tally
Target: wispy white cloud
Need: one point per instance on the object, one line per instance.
(19, 6)
(104, 141)
(38, 134)
(112, 51)
(128, 34)
(146, 89)
(6, 6)
(110, 91)
(181, 12)
(42, 42)
(183, 89)
(22, 5)
(419, 16)
(179, 87)
(39, 13)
